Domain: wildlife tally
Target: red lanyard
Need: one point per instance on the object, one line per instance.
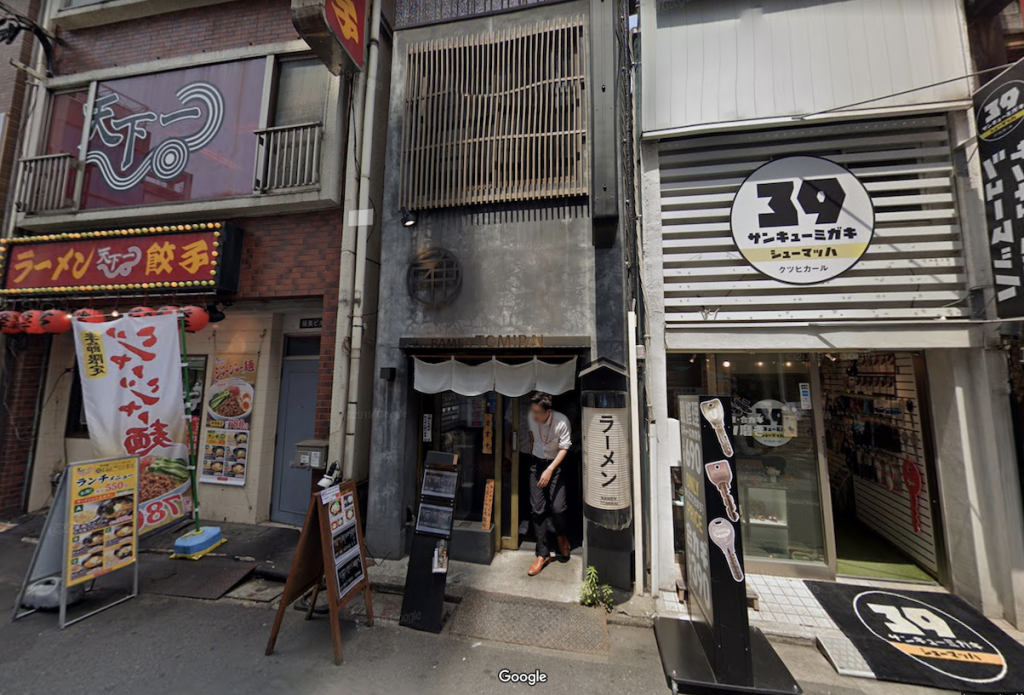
(551, 421)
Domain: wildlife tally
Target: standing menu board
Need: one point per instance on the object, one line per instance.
(330, 552)
(228, 406)
(91, 531)
(104, 535)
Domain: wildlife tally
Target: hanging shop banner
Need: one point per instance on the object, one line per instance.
(166, 137)
(102, 507)
(200, 257)
(132, 394)
(802, 220)
(229, 405)
(999, 109)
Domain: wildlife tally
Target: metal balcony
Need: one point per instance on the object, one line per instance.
(47, 183)
(288, 157)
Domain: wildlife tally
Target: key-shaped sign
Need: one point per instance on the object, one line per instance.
(715, 414)
(720, 474)
(723, 535)
(912, 479)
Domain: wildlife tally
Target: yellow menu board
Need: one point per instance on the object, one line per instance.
(102, 498)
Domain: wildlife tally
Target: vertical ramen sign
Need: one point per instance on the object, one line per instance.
(130, 370)
(228, 407)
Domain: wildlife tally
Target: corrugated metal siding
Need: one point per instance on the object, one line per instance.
(714, 61)
(913, 269)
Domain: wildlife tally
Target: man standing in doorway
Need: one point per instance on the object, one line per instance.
(550, 440)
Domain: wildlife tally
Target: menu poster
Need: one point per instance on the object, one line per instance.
(228, 405)
(102, 508)
(341, 516)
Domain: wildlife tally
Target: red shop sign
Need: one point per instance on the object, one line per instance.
(190, 257)
(347, 20)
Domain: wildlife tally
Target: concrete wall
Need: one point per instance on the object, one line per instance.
(527, 269)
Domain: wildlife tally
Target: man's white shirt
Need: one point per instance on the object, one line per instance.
(551, 436)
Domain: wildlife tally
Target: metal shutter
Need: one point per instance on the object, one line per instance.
(914, 268)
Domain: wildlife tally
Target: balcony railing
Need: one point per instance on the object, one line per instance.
(288, 157)
(47, 183)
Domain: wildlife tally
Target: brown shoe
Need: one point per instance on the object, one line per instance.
(538, 564)
(563, 546)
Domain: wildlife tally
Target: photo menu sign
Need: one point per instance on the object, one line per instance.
(715, 580)
(229, 404)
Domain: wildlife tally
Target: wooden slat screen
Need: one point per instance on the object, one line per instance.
(496, 117)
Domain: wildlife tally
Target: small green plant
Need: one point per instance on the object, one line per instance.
(593, 593)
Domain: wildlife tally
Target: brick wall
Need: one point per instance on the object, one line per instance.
(204, 29)
(297, 256)
(23, 361)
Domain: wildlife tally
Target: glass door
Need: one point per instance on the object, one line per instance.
(516, 447)
(778, 459)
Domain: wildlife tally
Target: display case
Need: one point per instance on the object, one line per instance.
(766, 517)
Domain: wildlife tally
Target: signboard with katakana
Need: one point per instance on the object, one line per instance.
(134, 404)
(194, 257)
(999, 110)
(802, 220)
(606, 458)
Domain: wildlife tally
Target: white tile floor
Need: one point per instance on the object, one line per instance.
(780, 600)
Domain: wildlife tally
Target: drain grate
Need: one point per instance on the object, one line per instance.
(533, 623)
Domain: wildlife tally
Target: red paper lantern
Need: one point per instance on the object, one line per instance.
(10, 322)
(196, 318)
(167, 311)
(31, 322)
(89, 316)
(55, 321)
(138, 311)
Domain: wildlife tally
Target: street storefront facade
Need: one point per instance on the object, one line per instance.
(826, 267)
(212, 177)
(509, 272)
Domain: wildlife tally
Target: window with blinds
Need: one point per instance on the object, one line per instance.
(496, 117)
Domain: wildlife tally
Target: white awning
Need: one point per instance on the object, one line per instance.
(512, 380)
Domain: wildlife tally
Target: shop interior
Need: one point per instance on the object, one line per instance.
(833, 457)
(490, 433)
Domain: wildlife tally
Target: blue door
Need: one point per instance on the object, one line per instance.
(296, 413)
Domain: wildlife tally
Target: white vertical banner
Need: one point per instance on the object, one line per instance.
(132, 394)
(606, 458)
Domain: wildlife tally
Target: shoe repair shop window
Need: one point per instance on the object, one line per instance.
(778, 456)
(477, 408)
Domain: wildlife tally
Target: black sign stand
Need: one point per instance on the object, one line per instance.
(423, 601)
(715, 651)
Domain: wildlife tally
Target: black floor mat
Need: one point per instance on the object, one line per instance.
(924, 638)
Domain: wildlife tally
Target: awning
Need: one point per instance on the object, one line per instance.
(512, 380)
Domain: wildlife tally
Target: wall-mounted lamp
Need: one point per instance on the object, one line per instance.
(408, 218)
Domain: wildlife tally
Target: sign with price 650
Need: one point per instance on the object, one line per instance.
(802, 220)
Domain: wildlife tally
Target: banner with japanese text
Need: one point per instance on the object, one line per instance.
(133, 399)
(102, 510)
(229, 405)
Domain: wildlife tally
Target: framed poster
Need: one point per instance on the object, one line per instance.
(439, 483)
(435, 519)
(228, 406)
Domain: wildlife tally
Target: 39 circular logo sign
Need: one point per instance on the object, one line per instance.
(1001, 111)
(802, 220)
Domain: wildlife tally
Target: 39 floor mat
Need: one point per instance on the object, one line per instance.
(924, 638)
(533, 623)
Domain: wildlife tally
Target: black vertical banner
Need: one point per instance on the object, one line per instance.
(716, 583)
(999, 110)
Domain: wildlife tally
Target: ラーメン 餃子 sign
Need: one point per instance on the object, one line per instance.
(802, 220)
